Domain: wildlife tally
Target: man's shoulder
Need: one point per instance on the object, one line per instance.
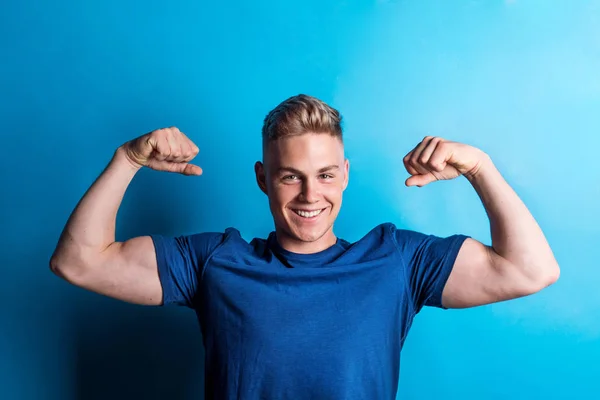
(229, 239)
(389, 235)
(384, 231)
(378, 237)
(229, 233)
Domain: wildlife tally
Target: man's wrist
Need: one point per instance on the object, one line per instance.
(484, 168)
(120, 157)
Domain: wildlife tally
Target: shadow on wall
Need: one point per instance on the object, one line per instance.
(126, 351)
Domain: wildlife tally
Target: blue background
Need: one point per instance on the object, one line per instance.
(519, 79)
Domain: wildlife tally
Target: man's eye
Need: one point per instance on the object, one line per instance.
(290, 177)
(326, 176)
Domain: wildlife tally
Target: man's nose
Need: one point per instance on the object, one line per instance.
(310, 192)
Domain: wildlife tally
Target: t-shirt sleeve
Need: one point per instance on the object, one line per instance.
(428, 261)
(181, 261)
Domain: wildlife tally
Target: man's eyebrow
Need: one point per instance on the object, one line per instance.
(298, 172)
(329, 168)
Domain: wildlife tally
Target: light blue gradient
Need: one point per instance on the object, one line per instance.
(519, 79)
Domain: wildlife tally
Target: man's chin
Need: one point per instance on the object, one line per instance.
(309, 235)
(305, 232)
(308, 238)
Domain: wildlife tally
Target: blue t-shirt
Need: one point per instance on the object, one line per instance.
(329, 325)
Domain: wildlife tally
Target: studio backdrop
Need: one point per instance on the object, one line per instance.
(518, 79)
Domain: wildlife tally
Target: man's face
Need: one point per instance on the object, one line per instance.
(304, 177)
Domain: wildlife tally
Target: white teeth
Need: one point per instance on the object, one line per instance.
(308, 214)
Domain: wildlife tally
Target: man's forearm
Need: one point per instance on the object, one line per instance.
(91, 227)
(516, 236)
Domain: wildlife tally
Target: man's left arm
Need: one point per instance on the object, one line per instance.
(519, 262)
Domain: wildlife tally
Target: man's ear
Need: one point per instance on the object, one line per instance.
(346, 173)
(259, 170)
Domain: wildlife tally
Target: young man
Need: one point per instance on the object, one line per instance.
(303, 314)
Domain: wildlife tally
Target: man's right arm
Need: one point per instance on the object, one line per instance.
(87, 254)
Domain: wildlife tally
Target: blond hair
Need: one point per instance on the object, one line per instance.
(301, 114)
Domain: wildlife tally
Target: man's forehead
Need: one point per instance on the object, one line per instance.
(285, 168)
(309, 151)
(306, 145)
(298, 159)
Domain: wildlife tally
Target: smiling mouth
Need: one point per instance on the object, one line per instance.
(309, 214)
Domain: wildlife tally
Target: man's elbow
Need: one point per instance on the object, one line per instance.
(69, 270)
(58, 267)
(547, 277)
(553, 275)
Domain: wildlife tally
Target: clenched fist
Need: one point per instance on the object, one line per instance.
(165, 149)
(435, 159)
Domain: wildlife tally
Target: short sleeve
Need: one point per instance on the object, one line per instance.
(181, 261)
(428, 260)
